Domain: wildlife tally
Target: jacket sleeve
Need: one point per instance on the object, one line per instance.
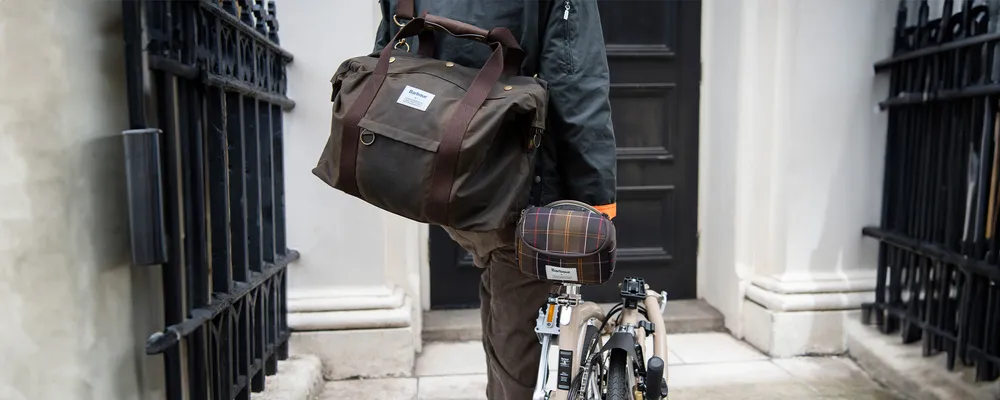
(382, 36)
(575, 65)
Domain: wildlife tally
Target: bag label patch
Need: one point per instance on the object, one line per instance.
(415, 98)
(560, 274)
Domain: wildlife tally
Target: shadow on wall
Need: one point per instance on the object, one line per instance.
(856, 184)
(110, 207)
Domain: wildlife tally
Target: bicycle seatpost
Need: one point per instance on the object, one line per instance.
(543, 370)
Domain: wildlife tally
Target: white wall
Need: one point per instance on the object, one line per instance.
(720, 275)
(341, 239)
(792, 147)
(833, 143)
(75, 313)
(354, 255)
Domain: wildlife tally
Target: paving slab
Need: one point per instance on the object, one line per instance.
(713, 347)
(451, 358)
(721, 367)
(371, 389)
(464, 387)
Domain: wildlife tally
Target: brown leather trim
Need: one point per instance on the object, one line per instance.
(443, 178)
(425, 44)
(446, 160)
(405, 9)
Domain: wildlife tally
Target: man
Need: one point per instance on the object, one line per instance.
(564, 44)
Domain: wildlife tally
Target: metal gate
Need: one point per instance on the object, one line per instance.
(938, 261)
(206, 82)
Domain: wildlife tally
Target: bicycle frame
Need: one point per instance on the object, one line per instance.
(566, 318)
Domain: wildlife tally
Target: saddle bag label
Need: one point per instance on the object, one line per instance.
(565, 364)
(555, 273)
(415, 98)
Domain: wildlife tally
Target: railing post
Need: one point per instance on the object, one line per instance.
(206, 188)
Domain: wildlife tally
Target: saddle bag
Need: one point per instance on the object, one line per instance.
(567, 242)
(433, 141)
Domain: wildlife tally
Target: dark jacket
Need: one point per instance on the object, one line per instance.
(577, 160)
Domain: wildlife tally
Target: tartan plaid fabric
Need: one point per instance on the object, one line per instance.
(572, 246)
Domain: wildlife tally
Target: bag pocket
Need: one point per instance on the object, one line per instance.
(394, 168)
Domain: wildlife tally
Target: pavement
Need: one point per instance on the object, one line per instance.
(701, 366)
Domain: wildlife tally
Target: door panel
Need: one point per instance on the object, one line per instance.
(653, 52)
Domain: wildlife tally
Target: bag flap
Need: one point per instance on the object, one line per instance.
(565, 232)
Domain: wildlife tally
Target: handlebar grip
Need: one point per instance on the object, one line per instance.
(654, 378)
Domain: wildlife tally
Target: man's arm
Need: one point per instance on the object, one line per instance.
(575, 65)
(382, 36)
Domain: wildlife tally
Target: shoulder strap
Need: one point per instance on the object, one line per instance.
(405, 9)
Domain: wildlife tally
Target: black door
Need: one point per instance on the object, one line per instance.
(654, 53)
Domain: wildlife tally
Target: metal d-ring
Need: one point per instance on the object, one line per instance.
(396, 20)
(536, 141)
(402, 42)
(367, 134)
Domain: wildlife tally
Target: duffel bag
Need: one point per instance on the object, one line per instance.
(433, 141)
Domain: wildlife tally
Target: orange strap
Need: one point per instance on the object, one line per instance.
(610, 209)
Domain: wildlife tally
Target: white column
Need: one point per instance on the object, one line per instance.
(805, 174)
(352, 294)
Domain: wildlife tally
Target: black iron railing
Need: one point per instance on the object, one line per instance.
(206, 82)
(938, 264)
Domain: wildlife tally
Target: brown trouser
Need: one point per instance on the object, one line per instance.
(509, 306)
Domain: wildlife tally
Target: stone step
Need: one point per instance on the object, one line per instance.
(681, 316)
(300, 377)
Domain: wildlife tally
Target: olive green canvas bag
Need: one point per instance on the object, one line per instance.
(434, 141)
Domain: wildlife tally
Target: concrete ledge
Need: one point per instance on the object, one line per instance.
(300, 377)
(681, 316)
(904, 369)
(783, 334)
(346, 300)
(361, 353)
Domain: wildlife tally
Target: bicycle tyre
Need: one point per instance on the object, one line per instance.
(618, 370)
(578, 386)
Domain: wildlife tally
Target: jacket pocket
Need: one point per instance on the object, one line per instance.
(568, 27)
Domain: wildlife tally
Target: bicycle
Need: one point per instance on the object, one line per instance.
(590, 368)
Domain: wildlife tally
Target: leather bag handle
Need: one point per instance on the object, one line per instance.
(446, 159)
(405, 10)
(502, 36)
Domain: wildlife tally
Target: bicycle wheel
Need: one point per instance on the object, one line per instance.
(619, 387)
(579, 390)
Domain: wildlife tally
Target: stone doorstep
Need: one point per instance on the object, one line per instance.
(681, 316)
(903, 368)
(300, 377)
